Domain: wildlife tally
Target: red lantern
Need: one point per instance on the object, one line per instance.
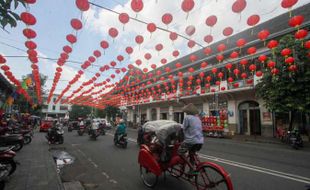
(208, 78)
(289, 60)
(159, 47)
(163, 61)
(201, 74)
(145, 70)
(307, 44)
(178, 65)
(296, 21)
(67, 49)
(220, 57)
(139, 39)
(285, 52)
(292, 68)
(30, 45)
(230, 79)
(262, 58)
(193, 58)
(208, 38)
(228, 66)
(211, 21)
(29, 33)
(259, 74)
(275, 71)
(191, 70)
(173, 36)
(147, 56)
(214, 70)
(123, 18)
(153, 66)
(175, 53)
(167, 18)
(263, 35)
(244, 75)
(71, 38)
(2, 59)
(113, 63)
(234, 55)
(253, 20)
(83, 5)
(76, 24)
(271, 64)
(151, 27)
(138, 62)
(30, 1)
(251, 50)
(120, 58)
(207, 50)
(191, 43)
(220, 75)
(104, 44)
(301, 34)
(187, 6)
(136, 5)
(203, 65)
(97, 53)
(113, 32)
(221, 47)
(129, 50)
(28, 18)
(190, 30)
(241, 42)
(91, 59)
(252, 67)
(236, 72)
(244, 62)
(228, 31)
(5, 67)
(272, 44)
(238, 6)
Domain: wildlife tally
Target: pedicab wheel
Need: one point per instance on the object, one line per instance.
(149, 179)
(177, 170)
(209, 177)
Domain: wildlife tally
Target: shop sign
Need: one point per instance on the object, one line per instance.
(266, 116)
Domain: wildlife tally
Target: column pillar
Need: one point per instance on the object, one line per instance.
(148, 113)
(158, 113)
(170, 113)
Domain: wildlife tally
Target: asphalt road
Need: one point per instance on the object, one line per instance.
(253, 166)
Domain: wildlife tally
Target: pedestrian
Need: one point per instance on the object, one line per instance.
(192, 129)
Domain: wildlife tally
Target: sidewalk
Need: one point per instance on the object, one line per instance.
(37, 169)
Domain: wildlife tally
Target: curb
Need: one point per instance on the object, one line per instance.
(60, 184)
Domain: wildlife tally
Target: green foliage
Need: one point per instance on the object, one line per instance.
(111, 112)
(79, 111)
(7, 12)
(288, 91)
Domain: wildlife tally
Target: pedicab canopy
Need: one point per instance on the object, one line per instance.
(163, 129)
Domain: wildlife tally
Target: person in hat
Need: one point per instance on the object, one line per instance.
(192, 129)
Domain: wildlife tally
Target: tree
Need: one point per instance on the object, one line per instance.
(7, 15)
(288, 91)
(111, 112)
(79, 111)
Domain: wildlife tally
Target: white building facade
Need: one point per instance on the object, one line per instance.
(55, 110)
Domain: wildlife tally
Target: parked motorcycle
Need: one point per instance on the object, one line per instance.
(120, 140)
(55, 135)
(81, 130)
(26, 133)
(15, 140)
(294, 139)
(7, 160)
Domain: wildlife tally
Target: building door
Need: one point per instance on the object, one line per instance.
(249, 118)
(164, 116)
(178, 117)
(153, 114)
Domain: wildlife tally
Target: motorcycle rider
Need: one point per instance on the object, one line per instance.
(121, 127)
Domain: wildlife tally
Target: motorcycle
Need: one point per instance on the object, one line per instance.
(81, 130)
(26, 133)
(94, 131)
(15, 140)
(294, 139)
(55, 135)
(120, 140)
(102, 129)
(7, 160)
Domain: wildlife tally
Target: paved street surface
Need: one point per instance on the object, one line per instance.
(256, 166)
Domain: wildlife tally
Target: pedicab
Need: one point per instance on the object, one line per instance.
(160, 156)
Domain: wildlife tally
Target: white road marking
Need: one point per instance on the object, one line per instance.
(284, 175)
(112, 181)
(106, 175)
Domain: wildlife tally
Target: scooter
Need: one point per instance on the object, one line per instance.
(120, 140)
(7, 160)
(94, 133)
(294, 139)
(55, 135)
(81, 130)
(15, 140)
(26, 133)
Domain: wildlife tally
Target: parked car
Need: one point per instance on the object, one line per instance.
(45, 125)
